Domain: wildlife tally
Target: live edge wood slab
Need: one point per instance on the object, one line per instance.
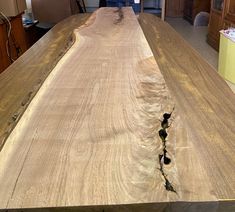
(104, 133)
(20, 82)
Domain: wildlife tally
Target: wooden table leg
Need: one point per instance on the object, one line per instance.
(142, 6)
(163, 10)
(84, 6)
(102, 3)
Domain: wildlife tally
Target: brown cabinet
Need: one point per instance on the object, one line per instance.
(222, 16)
(17, 44)
(193, 7)
(229, 14)
(174, 8)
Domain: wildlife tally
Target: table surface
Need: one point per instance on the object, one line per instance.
(107, 155)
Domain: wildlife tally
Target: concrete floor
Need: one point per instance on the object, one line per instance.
(196, 36)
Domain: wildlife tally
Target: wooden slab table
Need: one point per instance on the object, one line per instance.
(104, 133)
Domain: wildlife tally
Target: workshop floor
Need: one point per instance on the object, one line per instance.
(196, 36)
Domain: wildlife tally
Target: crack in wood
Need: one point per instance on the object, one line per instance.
(163, 159)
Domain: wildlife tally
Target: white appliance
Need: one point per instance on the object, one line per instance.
(12, 7)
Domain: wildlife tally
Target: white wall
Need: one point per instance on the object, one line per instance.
(28, 2)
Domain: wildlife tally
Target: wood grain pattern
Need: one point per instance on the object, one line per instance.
(205, 104)
(89, 139)
(174, 8)
(90, 135)
(20, 82)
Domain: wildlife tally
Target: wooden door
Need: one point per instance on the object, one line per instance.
(229, 13)
(216, 23)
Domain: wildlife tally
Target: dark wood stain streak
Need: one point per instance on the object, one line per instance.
(161, 207)
(120, 15)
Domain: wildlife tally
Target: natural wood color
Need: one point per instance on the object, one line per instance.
(90, 135)
(174, 8)
(220, 19)
(163, 10)
(205, 103)
(21, 80)
(141, 6)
